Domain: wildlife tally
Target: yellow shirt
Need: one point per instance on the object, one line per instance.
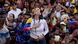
(75, 10)
(73, 1)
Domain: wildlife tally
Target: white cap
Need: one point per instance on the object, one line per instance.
(6, 5)
(63, 23)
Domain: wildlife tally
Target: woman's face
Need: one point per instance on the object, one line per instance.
(36, 16)
(36, 12)
(10, 18)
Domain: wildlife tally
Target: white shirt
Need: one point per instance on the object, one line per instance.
(15, 12)
(64, 16)
(41, 30)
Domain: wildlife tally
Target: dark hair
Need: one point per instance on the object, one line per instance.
(2, 18)
(13, 17)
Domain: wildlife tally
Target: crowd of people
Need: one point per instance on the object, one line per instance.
(38, 21)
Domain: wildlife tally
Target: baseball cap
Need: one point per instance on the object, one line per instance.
(62, 23)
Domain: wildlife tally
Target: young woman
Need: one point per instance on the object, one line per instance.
(39, 29)
(11, 24)
(10, 21)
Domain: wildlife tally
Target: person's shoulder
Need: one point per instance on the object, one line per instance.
(18, 9)
(11, 11)
(42, 19)
(4, 29)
